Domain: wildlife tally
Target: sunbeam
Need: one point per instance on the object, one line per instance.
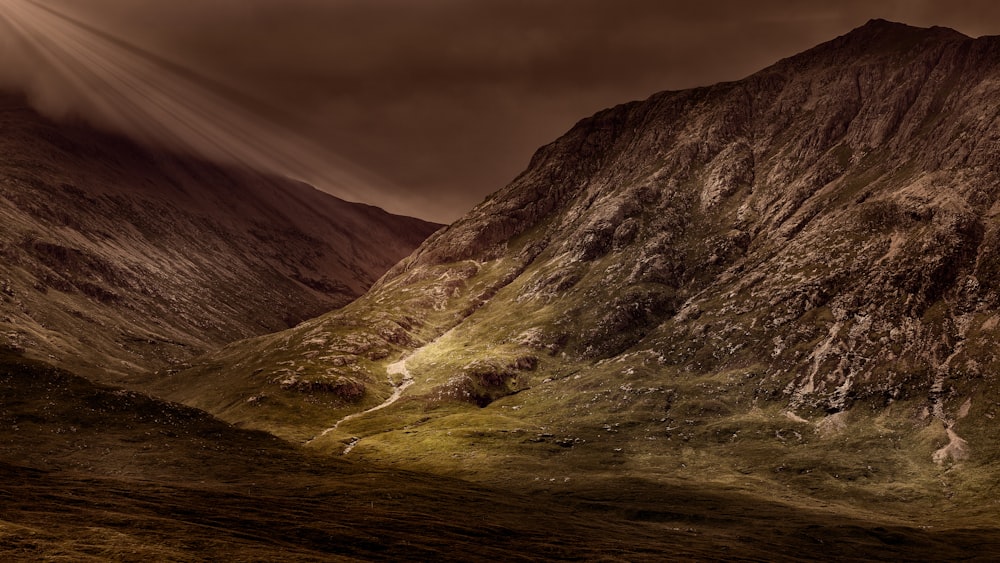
(119, 85)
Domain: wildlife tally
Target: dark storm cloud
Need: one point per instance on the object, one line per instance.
(448, 98)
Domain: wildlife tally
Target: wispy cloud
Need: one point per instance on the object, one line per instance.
(72, 68)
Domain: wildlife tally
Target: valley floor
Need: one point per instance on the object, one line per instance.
(91, 473)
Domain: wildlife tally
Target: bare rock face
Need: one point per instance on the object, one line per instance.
(118, 260)
(827, 226)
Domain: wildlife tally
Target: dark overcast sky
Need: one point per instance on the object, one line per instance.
(446, 99)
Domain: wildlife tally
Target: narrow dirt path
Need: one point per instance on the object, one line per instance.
(957, 448)
(395, 368)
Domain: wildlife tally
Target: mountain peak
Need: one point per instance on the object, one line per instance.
(879, 30)
(883, 24)
(876, 39)
(879, 24)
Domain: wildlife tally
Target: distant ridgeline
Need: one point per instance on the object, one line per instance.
(119, 260)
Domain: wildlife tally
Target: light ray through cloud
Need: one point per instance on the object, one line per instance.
(123, 87)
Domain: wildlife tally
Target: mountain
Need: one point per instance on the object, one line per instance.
(788, 285)
(119, 259)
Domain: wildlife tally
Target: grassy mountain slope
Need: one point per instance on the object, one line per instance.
(784, 285)
(117, 259)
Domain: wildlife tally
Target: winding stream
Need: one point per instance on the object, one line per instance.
(395, 368)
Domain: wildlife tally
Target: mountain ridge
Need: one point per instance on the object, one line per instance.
(102, 232)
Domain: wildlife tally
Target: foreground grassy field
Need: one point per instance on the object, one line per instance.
(93, 474)
(386, 515)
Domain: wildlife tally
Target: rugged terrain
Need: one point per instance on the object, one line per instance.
(751, 321)
(119, 259)
(786, 285)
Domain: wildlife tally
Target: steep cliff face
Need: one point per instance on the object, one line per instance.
(117, 260)
(744, 276)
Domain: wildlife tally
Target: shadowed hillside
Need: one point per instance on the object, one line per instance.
(119, 259)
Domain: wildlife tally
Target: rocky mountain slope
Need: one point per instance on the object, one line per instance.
(786, 284)
(117, 259)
